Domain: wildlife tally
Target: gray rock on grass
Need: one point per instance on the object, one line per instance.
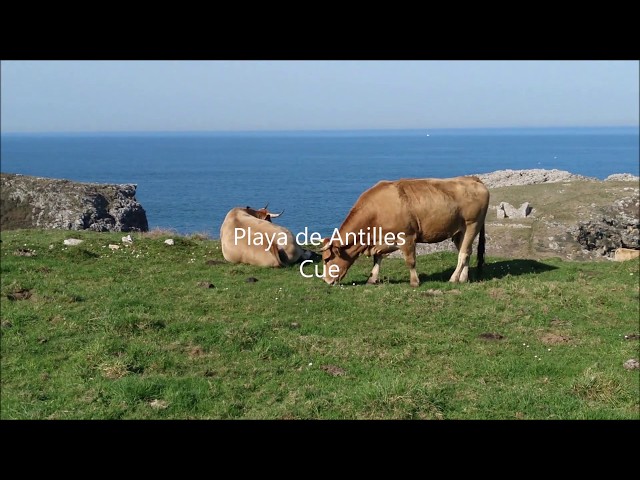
(506, 210)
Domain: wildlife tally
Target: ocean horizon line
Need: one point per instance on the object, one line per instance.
(603, 129)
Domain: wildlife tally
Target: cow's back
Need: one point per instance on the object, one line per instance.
(430, 208)
(468, 196)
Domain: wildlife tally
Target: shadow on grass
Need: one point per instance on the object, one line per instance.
(490, 271)
(495, 270)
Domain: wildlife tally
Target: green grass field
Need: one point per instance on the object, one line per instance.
(91, 333)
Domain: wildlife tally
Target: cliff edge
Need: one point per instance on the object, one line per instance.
(35, 202)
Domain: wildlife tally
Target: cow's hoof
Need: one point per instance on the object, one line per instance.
(372, 281)
(414, 285)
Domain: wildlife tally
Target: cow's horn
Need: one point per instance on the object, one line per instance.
(326, 246)
(265, 207)
(275, 215)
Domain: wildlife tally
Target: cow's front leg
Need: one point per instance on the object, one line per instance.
(461, 273)
(409, 252)
(377, 260)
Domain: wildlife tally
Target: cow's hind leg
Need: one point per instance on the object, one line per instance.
(377, 260)
(457, 239)
(461, 273)
(409, 252)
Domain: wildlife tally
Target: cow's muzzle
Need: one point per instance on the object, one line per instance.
(330, 281)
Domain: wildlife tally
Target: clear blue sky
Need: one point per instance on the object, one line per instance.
(81, 96)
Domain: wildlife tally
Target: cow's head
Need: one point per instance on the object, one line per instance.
(337, 261)
(263, 213)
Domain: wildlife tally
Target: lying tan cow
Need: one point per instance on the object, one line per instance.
(248, 236)
(623, 254)
(402, 213)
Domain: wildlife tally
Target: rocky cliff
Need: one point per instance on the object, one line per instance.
(34, 202)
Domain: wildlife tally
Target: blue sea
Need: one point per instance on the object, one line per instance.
(189, 181)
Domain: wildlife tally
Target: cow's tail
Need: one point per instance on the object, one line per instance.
(481, 245)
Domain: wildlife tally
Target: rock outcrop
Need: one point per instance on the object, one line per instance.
(508, 178)
(617, 227)
(622, 177)
(35, 202)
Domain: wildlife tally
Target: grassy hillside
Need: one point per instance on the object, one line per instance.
(558, 208)
(139, 332)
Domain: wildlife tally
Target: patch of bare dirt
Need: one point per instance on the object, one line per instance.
(333, 370)
(115, 371)
(436, 293)
(497, 293)
(158, 404)
(22, 294)
(556, 322)
(205, 285)
(25, 252)
(554, 339)
(195, 352)
(56, 319)
(433, 293)
(491, 336)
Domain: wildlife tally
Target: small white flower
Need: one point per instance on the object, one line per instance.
(310, 364)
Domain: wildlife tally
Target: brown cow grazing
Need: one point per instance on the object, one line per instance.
(395, 215)
(248, 236)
